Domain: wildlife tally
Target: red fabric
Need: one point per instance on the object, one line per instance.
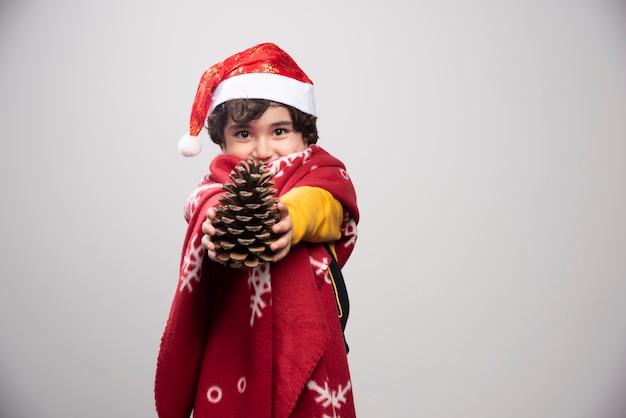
(264, 342)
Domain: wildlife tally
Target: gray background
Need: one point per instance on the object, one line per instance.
(486, 140)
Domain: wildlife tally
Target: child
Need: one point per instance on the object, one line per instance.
(265, 341)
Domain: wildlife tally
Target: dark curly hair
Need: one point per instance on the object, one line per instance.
(247, 110)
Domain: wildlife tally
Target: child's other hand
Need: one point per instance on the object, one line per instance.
(284, 228)
(209, 232)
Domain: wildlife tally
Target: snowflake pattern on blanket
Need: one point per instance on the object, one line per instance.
(259, 282)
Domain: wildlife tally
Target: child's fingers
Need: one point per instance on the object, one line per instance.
(209, 231)
(281, 242)
(283, 210)
(207, 225)
(207, 243)
(281, 254)
(284, 224)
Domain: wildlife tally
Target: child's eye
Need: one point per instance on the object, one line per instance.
(243, 134)
(279, 132)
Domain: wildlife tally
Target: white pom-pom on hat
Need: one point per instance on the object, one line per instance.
(263, 71)
(189, 146)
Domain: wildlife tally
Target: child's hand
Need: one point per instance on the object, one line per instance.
(284, 228)
(209, 232)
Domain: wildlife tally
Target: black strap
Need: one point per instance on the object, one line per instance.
(341, 293)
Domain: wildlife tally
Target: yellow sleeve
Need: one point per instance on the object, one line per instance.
(315, 213)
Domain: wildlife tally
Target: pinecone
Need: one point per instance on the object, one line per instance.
(244, 221)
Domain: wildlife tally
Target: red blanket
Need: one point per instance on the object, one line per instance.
(264, 342)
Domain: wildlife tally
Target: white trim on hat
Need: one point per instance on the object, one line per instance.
(273, 87)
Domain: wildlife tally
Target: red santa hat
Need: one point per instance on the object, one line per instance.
(263, 71)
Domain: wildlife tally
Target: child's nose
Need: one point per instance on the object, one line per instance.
(263, 149)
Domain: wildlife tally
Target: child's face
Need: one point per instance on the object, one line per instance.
(265, 139)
